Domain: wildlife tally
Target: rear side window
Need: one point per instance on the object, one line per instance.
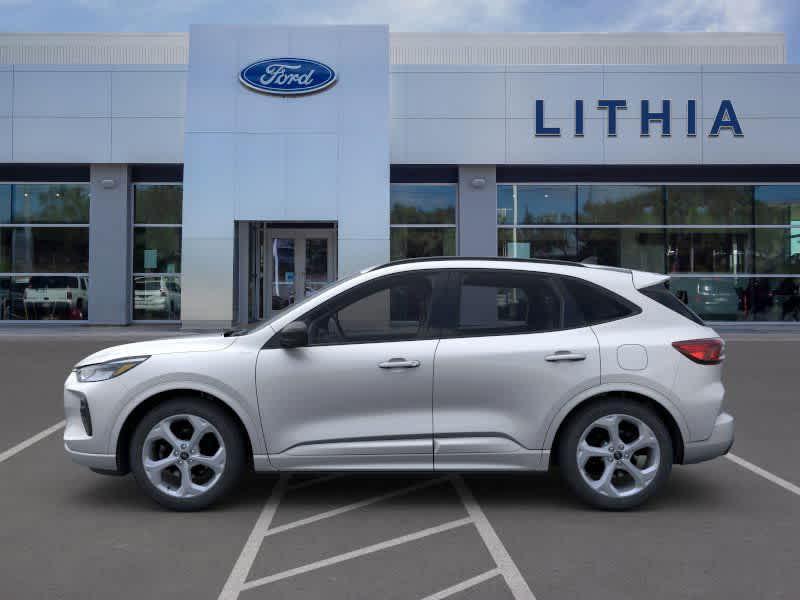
(504, 303)
(661, 294)
(594, 304)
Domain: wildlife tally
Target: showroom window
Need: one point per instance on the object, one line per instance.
(732, 251)
(423, 219)
(156, 286)
(44, 251)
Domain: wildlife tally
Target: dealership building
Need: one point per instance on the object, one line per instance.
(214, 177)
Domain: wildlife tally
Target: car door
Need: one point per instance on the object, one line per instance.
(513, 351)
(360, 394)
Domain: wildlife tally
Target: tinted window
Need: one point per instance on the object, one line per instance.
(596, 304)
(505, 302)
(391, 309)
(661, 294)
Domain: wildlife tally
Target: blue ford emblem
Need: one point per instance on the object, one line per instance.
(287, 76)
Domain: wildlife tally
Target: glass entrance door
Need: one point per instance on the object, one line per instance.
(299, 262)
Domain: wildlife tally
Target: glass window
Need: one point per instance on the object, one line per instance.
(554, 244)
(717, 298)
(158, 204)
(44, 204)
(778, 250)
(391, 309)
(157, 249)
(156, 297)
(662, 294)
(44, 249)
(777, 205)
(709, 205)
(415, 204)
(620, 204)
(157, 213)
(44, 265)
(417, 242)
(535, 204)
(506, 302)
(596, 304)
(423, 220)
(641, 249)
(710, 251)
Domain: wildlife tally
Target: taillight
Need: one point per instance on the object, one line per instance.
(69, 294)
(163, 293)
(704, 352)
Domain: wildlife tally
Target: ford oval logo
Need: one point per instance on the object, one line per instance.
(287, 76)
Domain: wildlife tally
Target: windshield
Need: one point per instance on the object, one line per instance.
(304, 301)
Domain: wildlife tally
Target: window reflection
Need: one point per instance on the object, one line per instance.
(156, 297)
(710, 251)
(420, 242)
(709, 205)
(741, 298)
(431, 205)
(613, 204)
(44, 297)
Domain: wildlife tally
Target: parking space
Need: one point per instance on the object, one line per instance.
(719, 531)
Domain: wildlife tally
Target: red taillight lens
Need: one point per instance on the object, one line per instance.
(704, 352)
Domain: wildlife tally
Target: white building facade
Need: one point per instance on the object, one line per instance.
(144, 177)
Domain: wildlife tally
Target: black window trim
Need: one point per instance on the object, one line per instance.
(452, 298)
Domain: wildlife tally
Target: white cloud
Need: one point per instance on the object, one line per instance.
(415, 15)
(704, 15)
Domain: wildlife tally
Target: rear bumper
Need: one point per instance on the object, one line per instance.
(718, 443)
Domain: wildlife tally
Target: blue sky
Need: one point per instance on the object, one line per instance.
(413, 15)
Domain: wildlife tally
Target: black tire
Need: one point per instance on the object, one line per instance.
(235, 460)
(568, 447)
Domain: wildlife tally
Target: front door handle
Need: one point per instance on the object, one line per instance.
(566, 356)
(399, 363)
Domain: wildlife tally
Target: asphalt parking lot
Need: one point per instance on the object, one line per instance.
(721, 530)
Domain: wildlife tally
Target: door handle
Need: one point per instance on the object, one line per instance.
(565, 356)
(399, 363)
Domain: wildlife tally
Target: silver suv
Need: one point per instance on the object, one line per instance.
(420, 365)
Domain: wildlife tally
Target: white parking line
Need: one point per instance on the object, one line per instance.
(4, 456)
(514, 579)
(464, 585)
(417, 535)
(354, 506)
(248, 555)
(764, 473)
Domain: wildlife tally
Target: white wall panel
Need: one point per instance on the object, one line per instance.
(147, 140)
(148, 93)
(452, 95)
(558, 90)
(629, 148)
(209, 181)
(79, 140)
(5, 139)
(311, 177)
(6, 87)
(765, 141)
(260, 176)
(356, 254)
(455, 141)
(524, 147)
(753, 94)
(62, 93)
(370, 214)
(210, 89)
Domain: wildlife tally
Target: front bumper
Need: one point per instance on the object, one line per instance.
(717, 444)
(99, 462)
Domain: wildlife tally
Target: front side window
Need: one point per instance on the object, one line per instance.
(391, 309)
(157, 214)
(423, 220)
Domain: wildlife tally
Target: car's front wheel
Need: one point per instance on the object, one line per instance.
(187, 453)
(615, 454)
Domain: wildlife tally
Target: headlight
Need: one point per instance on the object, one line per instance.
(107, 370)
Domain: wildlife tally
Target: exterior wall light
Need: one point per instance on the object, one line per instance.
(478, 182)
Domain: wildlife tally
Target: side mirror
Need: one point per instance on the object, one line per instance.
(294, 335)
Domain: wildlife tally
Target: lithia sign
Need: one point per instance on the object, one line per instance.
(725, 120)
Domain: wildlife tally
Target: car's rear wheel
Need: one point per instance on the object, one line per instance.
(187, 453)
(615, 454)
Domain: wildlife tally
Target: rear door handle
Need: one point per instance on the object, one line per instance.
(566, 356)
(399, 363)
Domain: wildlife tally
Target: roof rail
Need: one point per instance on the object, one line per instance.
(546, 261)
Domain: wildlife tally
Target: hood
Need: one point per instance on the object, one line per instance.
(205, 343)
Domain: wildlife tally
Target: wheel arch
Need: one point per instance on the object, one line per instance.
(132, 419)
(665, 411)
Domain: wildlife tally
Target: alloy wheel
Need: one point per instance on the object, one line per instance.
(618, 455)
(184, 456)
